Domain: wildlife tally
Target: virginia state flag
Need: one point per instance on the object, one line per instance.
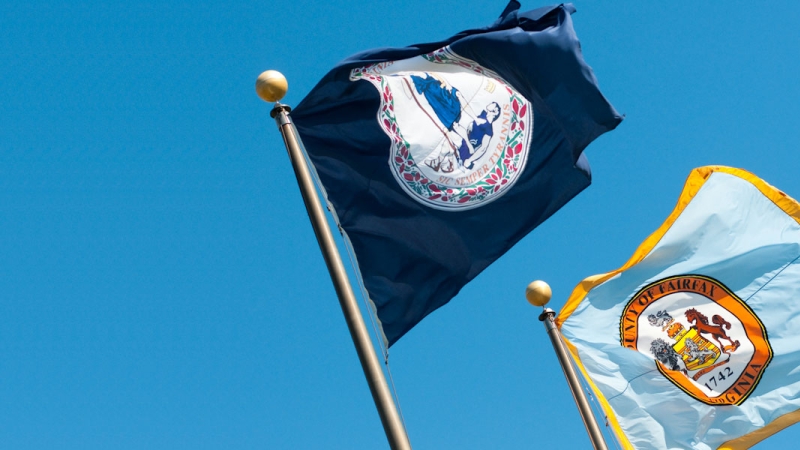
(695, 342)
(437, 158)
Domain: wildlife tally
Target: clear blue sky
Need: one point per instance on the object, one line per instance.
(160, 285)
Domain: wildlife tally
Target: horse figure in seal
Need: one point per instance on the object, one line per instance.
(717, 331)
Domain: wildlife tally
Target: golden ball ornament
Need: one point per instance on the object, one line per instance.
(271, 86)
(538, 293)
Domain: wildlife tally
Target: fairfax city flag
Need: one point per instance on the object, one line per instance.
(695, 341)
(437, 158)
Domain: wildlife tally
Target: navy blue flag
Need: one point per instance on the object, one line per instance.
(437, 158)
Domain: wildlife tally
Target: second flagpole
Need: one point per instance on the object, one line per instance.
(271, 87)
(538, 293)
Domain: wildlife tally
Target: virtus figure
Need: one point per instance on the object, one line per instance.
(466, 134)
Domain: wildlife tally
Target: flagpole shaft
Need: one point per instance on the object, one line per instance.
(392, 425)
(589, 421)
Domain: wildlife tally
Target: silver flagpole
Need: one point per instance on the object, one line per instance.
(538, 293)
(271, 86)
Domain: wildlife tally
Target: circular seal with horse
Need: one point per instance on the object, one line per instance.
(703, 338)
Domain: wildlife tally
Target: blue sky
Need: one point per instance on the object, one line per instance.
(160, 285)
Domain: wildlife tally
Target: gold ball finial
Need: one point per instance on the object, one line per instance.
(538, 293)
(271, 86)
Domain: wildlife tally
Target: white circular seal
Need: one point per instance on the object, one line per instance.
(460, 134)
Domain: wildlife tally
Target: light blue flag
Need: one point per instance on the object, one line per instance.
(695, 342)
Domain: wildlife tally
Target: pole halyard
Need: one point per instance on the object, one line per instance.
(271, 86)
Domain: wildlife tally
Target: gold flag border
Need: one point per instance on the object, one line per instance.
(694, 182)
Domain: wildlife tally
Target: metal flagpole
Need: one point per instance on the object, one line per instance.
(271, 86)
(538, 293)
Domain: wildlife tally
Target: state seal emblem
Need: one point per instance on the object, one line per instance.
(459, 133)
(704, 339)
